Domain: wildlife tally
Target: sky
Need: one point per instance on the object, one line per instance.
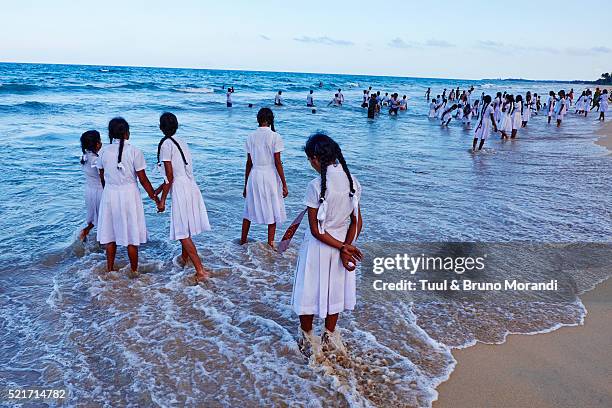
(467, 39)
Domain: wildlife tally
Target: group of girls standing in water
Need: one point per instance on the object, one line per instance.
(324, 283)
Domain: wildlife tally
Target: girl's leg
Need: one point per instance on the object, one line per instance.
(246, 224)
(192, 253)
(133, 255)
(330, 322)
(306, 322)
(474, 144)
(481, 144)
(111, 251)
(271, 234)
(558, 122)
(513, 134)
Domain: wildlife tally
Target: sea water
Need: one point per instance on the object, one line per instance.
(157, 340)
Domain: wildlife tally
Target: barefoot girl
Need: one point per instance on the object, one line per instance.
(487, 119)
(550, 105)
(264, 180)
(121, 218)
(560, 107)
(517, 115)
(91, 145)
(506, 122)
(324, 282)
(447, 115)
(603, 105)
(188, 216)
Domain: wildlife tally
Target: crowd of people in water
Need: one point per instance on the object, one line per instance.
(324, 283)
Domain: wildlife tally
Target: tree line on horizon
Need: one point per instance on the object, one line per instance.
(606, 79)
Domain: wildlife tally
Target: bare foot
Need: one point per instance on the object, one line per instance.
(202, 275)
(272, 245)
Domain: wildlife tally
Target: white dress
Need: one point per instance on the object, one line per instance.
(483, 129)
(121, 216)
(432, 110)
(527, 111)
(517, 116)
(188, 216)
(93, 187)
(550, 104)
(322, 286)
(506, 122)
(264, 202)
(603, 103)
(560, 108)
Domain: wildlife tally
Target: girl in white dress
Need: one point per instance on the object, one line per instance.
(517, 115)
(580, 104)
(603, 105)
(188, 216)
(506, 121)
(550, 105)
(487, 119)
(561, 107)
(432, 109)
(264, 185)
(121, 217)
(497, 106)
(324, 282)
(90, 146)
(527, 109)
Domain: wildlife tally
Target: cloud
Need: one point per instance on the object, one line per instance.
(325, 40)
(602, 50)
(399, 43)
(511, 49)
(490, 44)
(438, 43)
(264, 37)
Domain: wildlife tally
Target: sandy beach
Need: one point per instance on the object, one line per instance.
(605, 136)
(565, 368)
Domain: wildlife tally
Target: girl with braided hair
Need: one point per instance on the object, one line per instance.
(90, 146)
(121, 218)
(188, 216)
(265, 186)
(324, 282)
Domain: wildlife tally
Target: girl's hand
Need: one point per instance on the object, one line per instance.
(161, 206)
(352, 251)
(285, 191)
(348, 262)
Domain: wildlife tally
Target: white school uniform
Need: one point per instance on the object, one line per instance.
(322, 286)
(188, 216)
(121, 215)
(517, 115)
(550, 103)
(432, 110)
(497, 111)
(580, 103)
(506, 122)
(446, 116)
(603, 103)
(527, 111)
(264, 202)
(278, 100)
(483, 129)
(93, 187)
(560, 108)
(460, 112)
(228, 97)
(309, 100)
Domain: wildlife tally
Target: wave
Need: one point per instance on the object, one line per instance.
(194, 90)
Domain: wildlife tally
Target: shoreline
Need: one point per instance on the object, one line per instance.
(605, 136)
(566, 367)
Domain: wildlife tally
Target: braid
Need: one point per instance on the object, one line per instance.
(82, 160)
(121, 143)
(161, 142)
(323, 181)
(346, 170)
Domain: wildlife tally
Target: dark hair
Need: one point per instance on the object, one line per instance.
(328, 152)
(89, 140)
(168, 123)
(487, 99)
(118, 128)
(266, 115)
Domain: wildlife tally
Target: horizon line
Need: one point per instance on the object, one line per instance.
(296, 72)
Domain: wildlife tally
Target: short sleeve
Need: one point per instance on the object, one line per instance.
(139, 161)
(357, 187)
(165, 152)
(247, 145)
(278, 143)
(99, 163)
(312, 195)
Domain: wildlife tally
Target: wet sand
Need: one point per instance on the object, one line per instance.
(605, 136)
(569, 367)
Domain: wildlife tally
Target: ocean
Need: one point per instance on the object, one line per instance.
(157, 340)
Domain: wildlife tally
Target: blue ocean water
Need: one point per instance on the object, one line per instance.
(67, 323)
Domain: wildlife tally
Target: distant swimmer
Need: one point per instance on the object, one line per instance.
(310, 99)
(428, 93)
(372, 106)
(364, 102)
(230, 91)
(320, 84)
(278, 101)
